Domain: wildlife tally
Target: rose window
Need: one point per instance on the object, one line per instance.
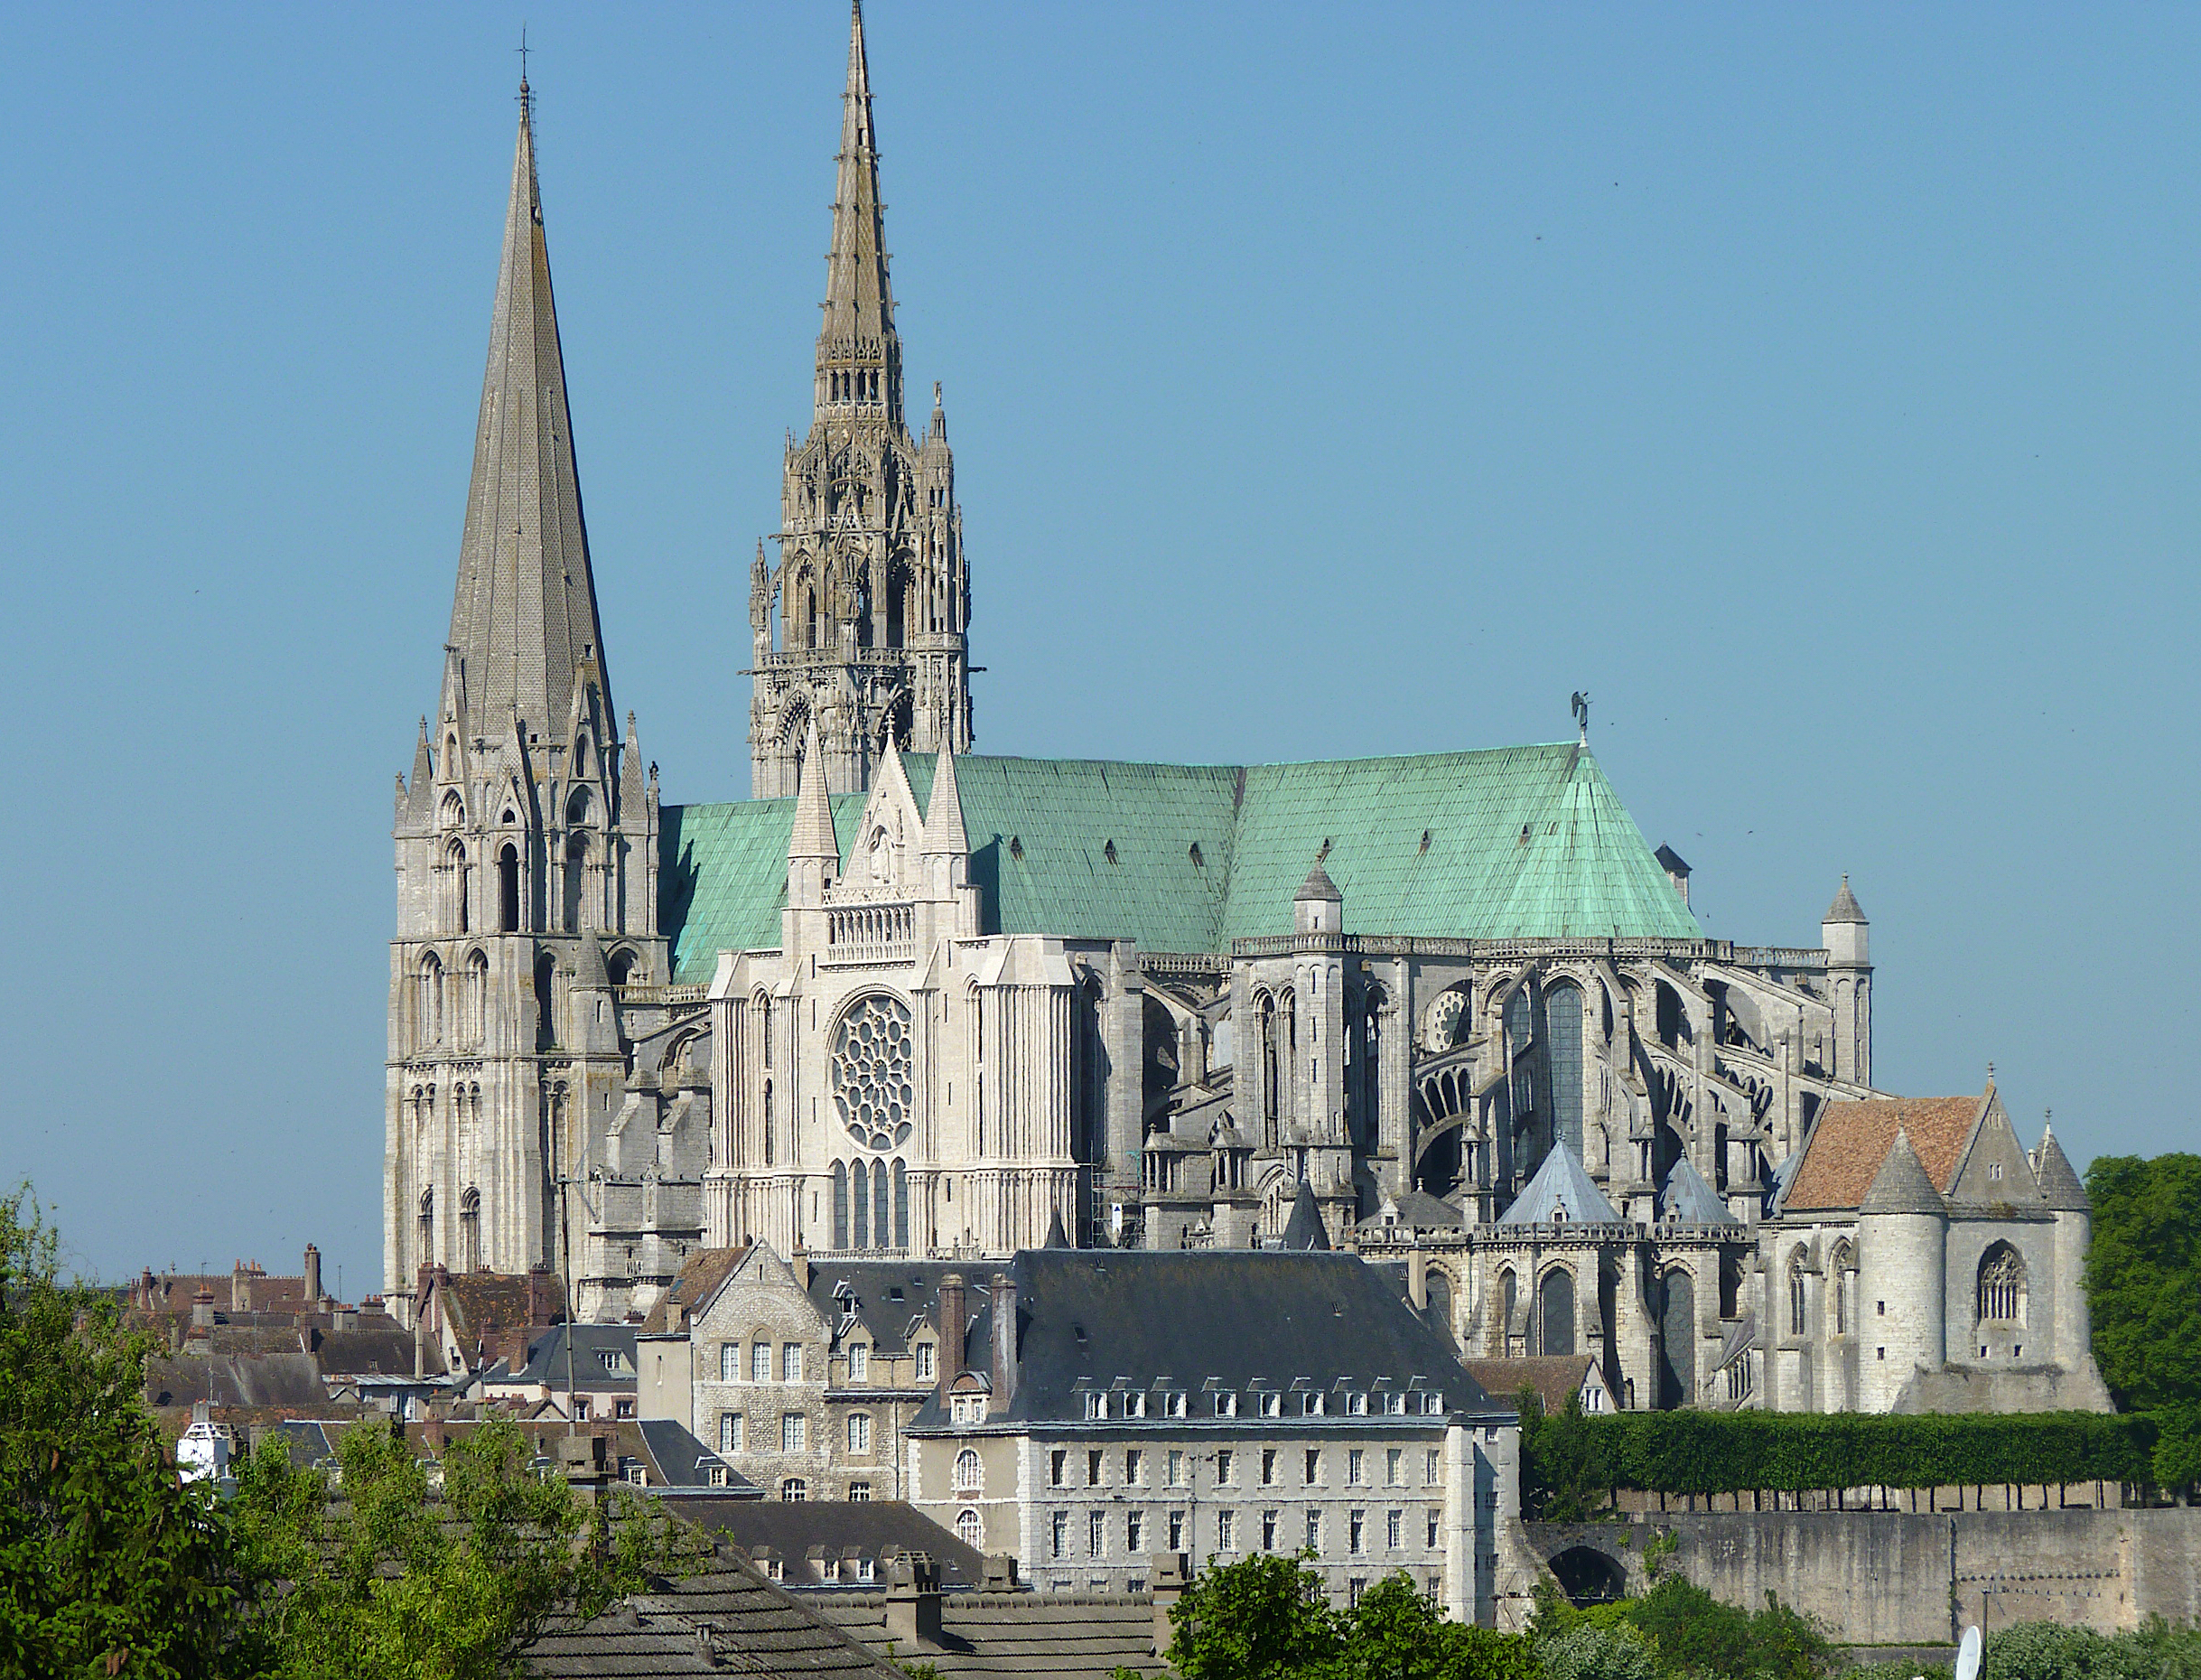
(871, 1072)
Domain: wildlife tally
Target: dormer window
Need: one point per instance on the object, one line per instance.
(1272, 1404)
(1226, 1403)
(1313, 1404)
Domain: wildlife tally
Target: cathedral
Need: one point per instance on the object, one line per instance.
(1448, 1010)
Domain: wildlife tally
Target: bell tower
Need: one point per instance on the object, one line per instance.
(860, 629)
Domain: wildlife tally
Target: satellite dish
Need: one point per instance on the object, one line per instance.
(1968, 1656)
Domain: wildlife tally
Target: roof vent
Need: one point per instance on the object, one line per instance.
(1108, 850)
(1323, 855)
(1425, 839)
(1016, 848)
(1198, 861)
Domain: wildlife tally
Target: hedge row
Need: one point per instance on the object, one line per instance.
(1704, 1452)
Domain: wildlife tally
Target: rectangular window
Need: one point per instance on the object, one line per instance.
(1395, 1529)
(1433, 1405)
(860, 1493)
(1271, 1405)
(1134, 1531)
(1356, 1532)
(1059, 1534)
(1394, 1405)
(1227, 1404)
(1268, 1467)
(925, 1367)
(1395, 1463)
(1175, 1400)
(1435, 1470)
(1355, 1405)
(730, 1432)
(625, 1408)
(1097, 1533)
(1354, 1589)
(1356, 1467)
(1436, 1527)
(790, 1362)
(1314, 1466)
(1058, 1467)
(794, 1433)
(1097, 1406)
(730, 1362)
(1311, 1404)
(760, 1362)
(858, 1432)
(1093, 1466)
(1227, 1531)
(1268, 1531)
(1175, 1468)
(1225, 1467)
(860, 1362)
(1135, 1404)
(1134, 1468)
(1314, 1530)
(1178, 1540)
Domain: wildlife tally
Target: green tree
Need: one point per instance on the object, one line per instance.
(111, 1566)
(2143, 1277)
(392, 1583)
(1265, 1617)
(1394, 1633)
(1567, 1460)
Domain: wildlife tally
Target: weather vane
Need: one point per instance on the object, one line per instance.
(1582, 713)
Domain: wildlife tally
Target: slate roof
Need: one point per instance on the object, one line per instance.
(726, 1616)
(1561, 1192)
(677, 1461)
(547, 1365)
(699, 1278)
(1511, 842)
(2059, 1186)
(1900, 1186)
(268, 1379)
(1304, 1228)
(1688, 1199)
(1239, 1317)
(1065, 1636)
(1850, 1140)
(874, 1286)
(788, 1531)
(384, 1353)
(1845, 906)
(1425, 1212)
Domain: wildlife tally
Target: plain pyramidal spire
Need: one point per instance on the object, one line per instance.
(859, 358)
(524, 618)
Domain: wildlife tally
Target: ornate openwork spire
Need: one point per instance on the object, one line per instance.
(524, 617)
(859, 355)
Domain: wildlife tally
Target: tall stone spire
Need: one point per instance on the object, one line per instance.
(860, 630)
(524, 618)
(859, 354)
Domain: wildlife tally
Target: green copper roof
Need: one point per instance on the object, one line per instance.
(1517, 843)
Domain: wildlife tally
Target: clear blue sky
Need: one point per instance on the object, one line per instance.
(1816, 385)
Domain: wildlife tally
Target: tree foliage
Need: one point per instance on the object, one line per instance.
(1675, 1630)
(2143, 1277)
(1267, 1617)
(390, 1582)
(111, 1566)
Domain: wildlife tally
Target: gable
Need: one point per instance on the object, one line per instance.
(1994, 1167)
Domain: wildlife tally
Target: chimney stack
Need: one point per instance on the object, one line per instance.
(951, 1331)
(312, 1277)
(202, 1309)
(1004, 1342)
(913, 1600)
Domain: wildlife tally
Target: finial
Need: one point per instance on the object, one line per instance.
(1991, 1073)
(1580, 704)
(935, 393)
(522, 51)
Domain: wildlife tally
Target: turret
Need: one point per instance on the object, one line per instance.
(2065, 1198)
(1902, 1241)
(1842, 930)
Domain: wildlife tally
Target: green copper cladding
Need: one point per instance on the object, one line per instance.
(1521, 843)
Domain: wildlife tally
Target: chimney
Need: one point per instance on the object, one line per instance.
(913, 1600)
(1004, 1342)
(202, 1309)
(1169, 1577)
(583, 1465)
(240, 1288)
(313, 1276)
(951, 1331)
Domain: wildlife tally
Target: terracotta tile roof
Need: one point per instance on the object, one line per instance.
(700, 1275)
(1851, 1139)
(1553, 1377)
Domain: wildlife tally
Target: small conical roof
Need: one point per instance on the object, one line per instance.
(944, 830)
(1562, 1192)
(1318, 886)
(1688, 1199)
(2059, 1186)
(1901, 1185)
(813, 834)
(1844, 908)
(1057, 1237)
(1304, 1229)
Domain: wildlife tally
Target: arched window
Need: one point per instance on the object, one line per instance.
(1518, 1033)
(581, 761)
(879, 1198)
(2001, 1294)
(507, 889)
(767, 1123)
(470, 1230)
(1795, 1294)
(477, 998)
(1562, 1026)
(546, 1011)
(1509, 1297)
(970, 1530)
(1270, 1102)
(902, 1207)
(840, 1204)
(452, 811)
(454, 860)
(431, 1016)
(1839, 1270)
(970, 1475)
(1555, 1311)
(427, 1224)
(1677, 1339)
(860, 1201)
(576, 882)
(621, 969)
